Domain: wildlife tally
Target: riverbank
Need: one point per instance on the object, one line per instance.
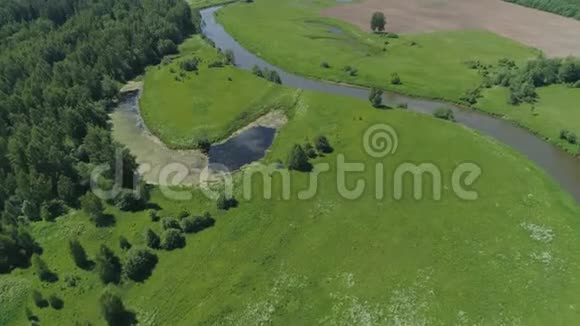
(431, 65)
(559, 164)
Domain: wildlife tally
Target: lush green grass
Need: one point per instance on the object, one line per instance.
(335, 261)
(557, 108)
(292, 35)
(212, 103)
(434, 67)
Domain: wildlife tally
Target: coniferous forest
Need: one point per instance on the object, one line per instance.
(61, 65)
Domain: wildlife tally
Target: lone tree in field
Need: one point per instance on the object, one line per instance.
(378, 22)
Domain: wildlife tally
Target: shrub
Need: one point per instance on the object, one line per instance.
(378, 22)
(128, 201)
(323, 145)
(298, 160)
(170, 223)
(471, 96)
(204, 145)
(124, 243)
(189, 64)
(376, 97)
(55, 302)
(108, 266)
(309, 150)
(114, 312)
(71, 281)
(154, 216)
(93, 207)
(39, 300)
(31, 317)
(172, 239)
(325, 65)
(197, 224)
(52, 209)
(225, 203)
(140, 264)
(42, 270)
(152, 239)
(166, 46)
(395, 79)
(216, 64)
(31, 210)
(572, 139)
(445, 114)
(473, 64)
(350, 70)
(230, 58)
(79, 254)
(183, 214)
(258, 71)
(274, 77)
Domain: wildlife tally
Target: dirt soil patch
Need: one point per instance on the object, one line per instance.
(553, 34)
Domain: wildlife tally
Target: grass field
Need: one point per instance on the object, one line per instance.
(429, 64)
(334, 261)
(510, 257)
(558, 108)
(212, 103)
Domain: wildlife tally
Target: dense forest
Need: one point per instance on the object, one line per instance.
(568, 8)
(61, 65)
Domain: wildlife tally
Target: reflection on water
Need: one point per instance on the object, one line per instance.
(247, 147)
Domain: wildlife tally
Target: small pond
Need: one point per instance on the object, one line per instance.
(247, 147)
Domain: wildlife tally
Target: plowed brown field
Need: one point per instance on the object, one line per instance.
(555, 35)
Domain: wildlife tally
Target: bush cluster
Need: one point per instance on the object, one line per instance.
(267, 74)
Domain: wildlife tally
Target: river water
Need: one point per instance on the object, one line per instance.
(560, 165)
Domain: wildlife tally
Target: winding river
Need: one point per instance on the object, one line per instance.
(560, 165)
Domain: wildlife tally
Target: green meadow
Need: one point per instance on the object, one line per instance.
(430, 65)
(558, 108)
(291, 34)
(508, 256)
(183, 107)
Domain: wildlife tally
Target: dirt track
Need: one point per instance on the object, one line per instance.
(555, 35)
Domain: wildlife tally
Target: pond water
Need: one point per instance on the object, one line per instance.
(560, 165)
(247, 147)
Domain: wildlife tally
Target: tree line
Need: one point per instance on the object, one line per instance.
(523, 80)
(61, 66)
